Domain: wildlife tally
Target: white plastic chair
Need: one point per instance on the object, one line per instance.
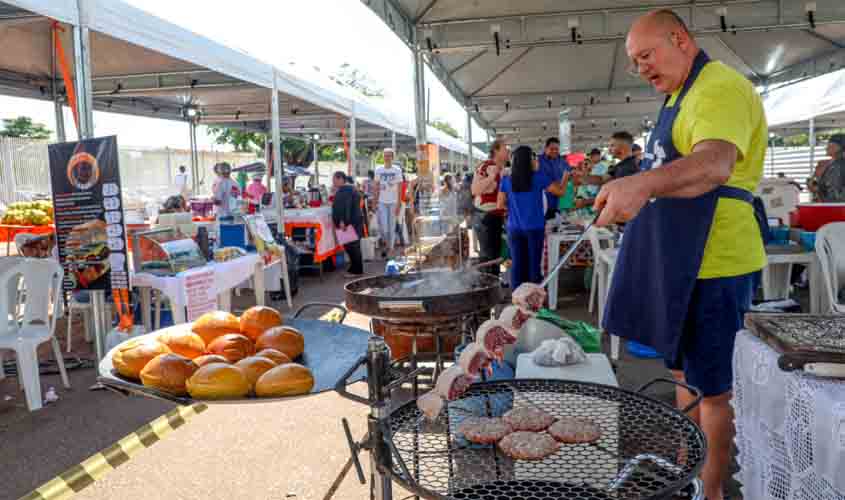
(830, 248)
(603, 261)
(11, 297)
(42, 280)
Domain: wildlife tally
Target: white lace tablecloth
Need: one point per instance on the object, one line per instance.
(790, 428)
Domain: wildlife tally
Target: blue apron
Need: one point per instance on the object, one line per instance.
(661, 252)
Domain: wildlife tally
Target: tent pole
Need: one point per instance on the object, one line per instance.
(82, 69)
(393, 141)
(353, 142)
(277, 170)
(419, 96)
(316, 163)
(469, 141)
(812, 134)
(57, 105)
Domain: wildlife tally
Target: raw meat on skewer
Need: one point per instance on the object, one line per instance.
(515, 317)
(475, 358)
(530, 296)
(453, 383)
(494, 335)
(430, 404)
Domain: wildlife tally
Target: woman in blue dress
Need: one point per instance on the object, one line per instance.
(521, 194)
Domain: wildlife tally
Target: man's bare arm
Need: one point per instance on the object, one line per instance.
(708, 166)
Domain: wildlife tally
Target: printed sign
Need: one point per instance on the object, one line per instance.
(88, 214)
(263, 239)
(199, 293)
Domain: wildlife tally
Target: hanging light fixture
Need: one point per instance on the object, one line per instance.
(810, 7)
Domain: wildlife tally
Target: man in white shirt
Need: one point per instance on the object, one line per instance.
(388, 181)
(181, 180)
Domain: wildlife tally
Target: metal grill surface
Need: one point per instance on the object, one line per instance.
(648, 450)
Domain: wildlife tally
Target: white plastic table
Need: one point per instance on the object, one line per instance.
(227, 276)
(777, 273)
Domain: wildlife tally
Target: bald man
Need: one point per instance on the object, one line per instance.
(683, 278)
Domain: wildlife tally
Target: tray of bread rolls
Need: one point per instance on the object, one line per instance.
(222, 358)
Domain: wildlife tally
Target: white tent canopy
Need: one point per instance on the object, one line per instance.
(517, 65)
(822, 99)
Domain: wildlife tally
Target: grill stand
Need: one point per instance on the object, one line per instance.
(382, 380)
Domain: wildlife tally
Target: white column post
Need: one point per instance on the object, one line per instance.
(82, 70)
(470, 161)
(277, 169)
(812, 138)
(353, 141)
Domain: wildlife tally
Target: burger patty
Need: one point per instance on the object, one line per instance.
(484, 430)
(574, 430)
(528, 419)
(528, 445)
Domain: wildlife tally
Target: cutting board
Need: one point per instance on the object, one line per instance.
(597, 370)
(801, 339)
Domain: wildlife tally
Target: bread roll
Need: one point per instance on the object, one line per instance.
(257, 320)
(285, 380)
(211, 325)
(275, 356)
(218, 381)
(232, 346)
(133, 356)
(255, 366)
(183, 342)
(210, 358)
(168, 373)
(284, 339)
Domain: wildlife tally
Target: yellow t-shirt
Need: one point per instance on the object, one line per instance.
(723, 105)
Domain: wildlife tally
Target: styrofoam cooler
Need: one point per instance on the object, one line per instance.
(368, 248)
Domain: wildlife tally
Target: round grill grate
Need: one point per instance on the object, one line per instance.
(647, 448)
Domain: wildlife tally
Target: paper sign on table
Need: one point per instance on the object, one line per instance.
(199, 295)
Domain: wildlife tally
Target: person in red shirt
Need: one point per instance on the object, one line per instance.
(489, 220)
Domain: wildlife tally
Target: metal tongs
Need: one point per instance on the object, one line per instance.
(569, 253)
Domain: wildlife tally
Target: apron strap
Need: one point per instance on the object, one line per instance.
(735, 193)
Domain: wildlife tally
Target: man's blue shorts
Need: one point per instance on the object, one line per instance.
(715, 314)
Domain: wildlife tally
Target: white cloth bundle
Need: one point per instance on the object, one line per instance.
(559, 352)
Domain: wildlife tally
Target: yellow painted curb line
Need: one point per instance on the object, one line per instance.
(79, 476)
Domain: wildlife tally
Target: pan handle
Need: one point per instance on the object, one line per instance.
(340, 387)
(311, 305)
(694, 390)
(402, 305)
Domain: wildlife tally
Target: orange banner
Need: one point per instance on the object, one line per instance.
(70, 90)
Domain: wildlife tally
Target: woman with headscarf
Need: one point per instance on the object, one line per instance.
(828, 183)
(522, 193)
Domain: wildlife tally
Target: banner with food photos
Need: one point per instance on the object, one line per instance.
(89, 214)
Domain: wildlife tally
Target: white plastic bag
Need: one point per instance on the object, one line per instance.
(559, 352)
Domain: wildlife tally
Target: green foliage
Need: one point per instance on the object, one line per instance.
(23, 126)
(446, 127)
(241, 140)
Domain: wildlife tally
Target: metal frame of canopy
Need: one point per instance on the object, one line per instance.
(516, 65)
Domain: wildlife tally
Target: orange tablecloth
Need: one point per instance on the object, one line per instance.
(8, 231)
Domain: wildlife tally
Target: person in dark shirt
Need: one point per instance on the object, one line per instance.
(638, 153)
(621, 147)
(346, 211)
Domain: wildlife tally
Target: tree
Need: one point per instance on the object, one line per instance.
(446, 127)
(354, 78)
(23, 126)
(295, 151)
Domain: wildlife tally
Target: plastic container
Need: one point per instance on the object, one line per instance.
(808, 241)
(812, 216)
(641, 351)
(780, 235)
(232, 235)
(368, 248)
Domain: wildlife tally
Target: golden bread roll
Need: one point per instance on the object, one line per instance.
(183, 342)
(255, 366)
(168, 373)
(211, 325)
(218, 381)
(285, 380)
(257, 320)
(210, 358)
(232, 346)
(284, 339)
(275, 356)
(133, 356)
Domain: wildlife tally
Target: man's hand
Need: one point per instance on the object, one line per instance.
(622, 199)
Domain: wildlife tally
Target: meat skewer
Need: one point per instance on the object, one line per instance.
(530, 296)
(494, 335)
(475, 358)
(515, 316)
